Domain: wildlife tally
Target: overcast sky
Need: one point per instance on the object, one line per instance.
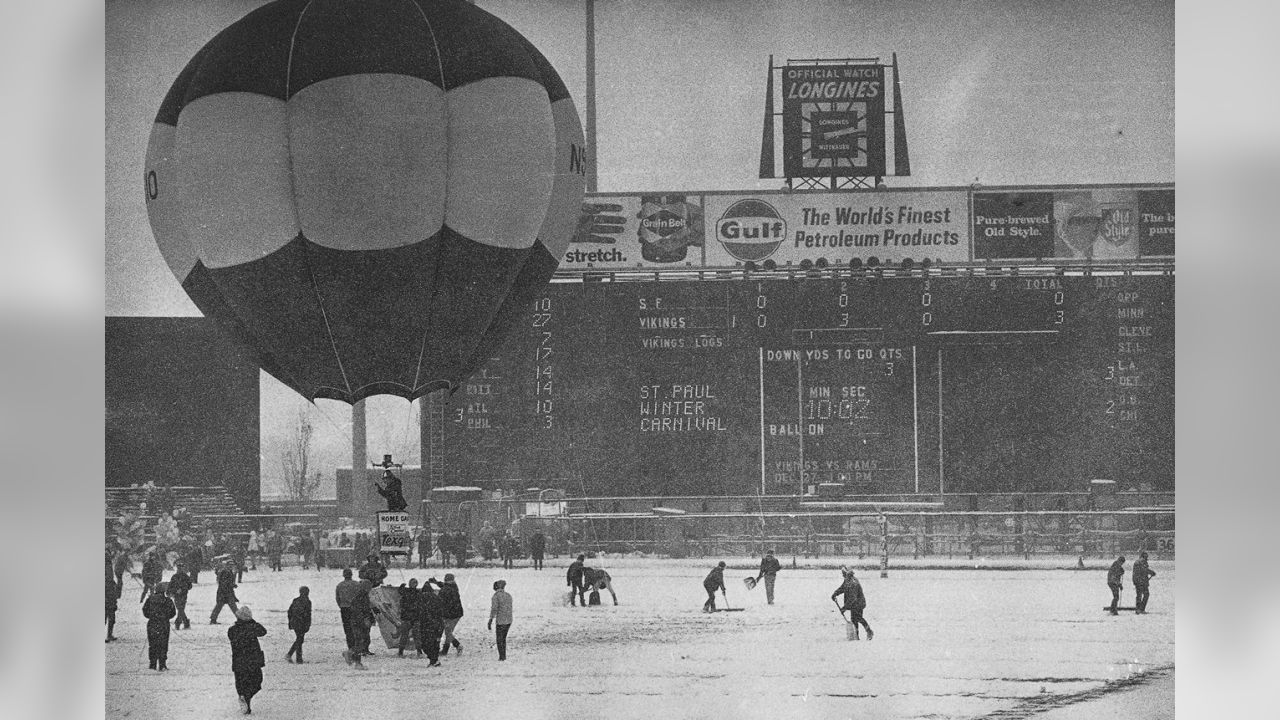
(1004, 92)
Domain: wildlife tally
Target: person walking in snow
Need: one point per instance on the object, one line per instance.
(159, 610)
(500, 609)
(713, 582)
(179, 586)
(226, 594)
(1142, 575)
(1115, 581)
(855, 602)
(247, 658)
(450, 611)
(299, 623)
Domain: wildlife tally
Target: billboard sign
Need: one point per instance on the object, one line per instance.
(1094, 224)
(393, 533)
(788, 229)
(637, 231)
(833, 121)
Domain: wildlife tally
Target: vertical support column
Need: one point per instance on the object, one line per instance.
(590, 112)
(884, 546)
(359, 461)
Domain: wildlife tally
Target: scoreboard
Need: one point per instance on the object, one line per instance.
(774, 385)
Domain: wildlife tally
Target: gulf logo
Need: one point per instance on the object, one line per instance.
(751, 230)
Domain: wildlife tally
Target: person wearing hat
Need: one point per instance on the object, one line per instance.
(1142, 575)
(247, 658)
(159, 610)
(299, 622)
(713, 582)
(179, 586)
(855, 601)
(500, 610)
(1115, 582)
(226, 594)
(573, 578)
(450, 611)
(769, 567)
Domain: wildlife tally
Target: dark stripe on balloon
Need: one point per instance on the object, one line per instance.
(251, 55)
(274, 299)
(530, 282)
(475, 45)
(466, 294)
(340, 37)
(556, 89)
(204, 292)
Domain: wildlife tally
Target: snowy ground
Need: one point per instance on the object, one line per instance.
(950, 643)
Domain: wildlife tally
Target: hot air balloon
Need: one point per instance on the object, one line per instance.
(367, 195)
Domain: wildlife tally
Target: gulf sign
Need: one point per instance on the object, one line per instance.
(751, 230)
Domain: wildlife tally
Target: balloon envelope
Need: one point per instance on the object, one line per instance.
(368, 195)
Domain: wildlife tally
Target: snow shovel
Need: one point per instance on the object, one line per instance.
(750, 582)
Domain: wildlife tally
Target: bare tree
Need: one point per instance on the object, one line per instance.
(293, 461)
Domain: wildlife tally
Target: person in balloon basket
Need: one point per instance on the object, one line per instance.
(769, 567)
(450, 611)
(500, 609)
(855, 602)
(226, 594)
(1142, 575)
(179, 586)
(159, 610)
(247, 658)
(299, 623)
(573, 578)
(713, 582)
(1115, 581)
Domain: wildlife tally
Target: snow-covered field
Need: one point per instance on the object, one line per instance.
(950, 643)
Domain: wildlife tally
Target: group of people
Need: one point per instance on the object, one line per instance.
(1142, 574)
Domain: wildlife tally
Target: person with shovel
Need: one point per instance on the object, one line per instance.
(769, 567)
(855, 601)
(713, 582)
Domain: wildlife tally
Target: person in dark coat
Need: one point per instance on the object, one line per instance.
(226, 591)
(1142, 575)
(362, 618)
(345, 596)
(159, 610)
(538, 549)
(573, 578)
(598, 579)
(152, 573)
(195, 562)
(247, 658)
(855, 601)
(275, 550)
(450, 611)
(179, 586)
(409, 610)
(112, 589)
(430, 623)
(424, 547)
(299, 622)
(393, 491)
(769, 567)
(713, 582)
(1115, 581)
(373, 570)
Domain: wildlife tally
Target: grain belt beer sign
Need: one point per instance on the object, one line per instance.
(833, 121)
(393, 533)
